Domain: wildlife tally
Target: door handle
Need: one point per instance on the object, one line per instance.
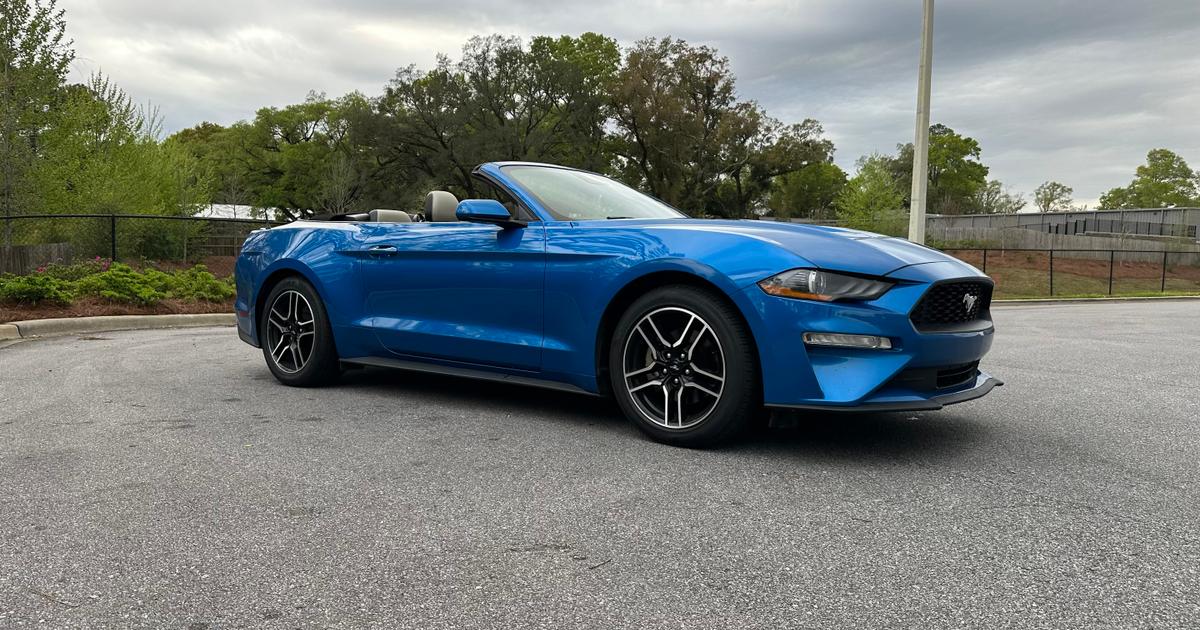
(382, 250)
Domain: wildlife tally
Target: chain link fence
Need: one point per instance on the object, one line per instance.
(33, 240)
(1079, 272)
(176, 241)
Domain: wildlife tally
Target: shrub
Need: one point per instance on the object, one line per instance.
(122, 284)
(115, 282)
(198, 284)
(35, 289)
(76, 271)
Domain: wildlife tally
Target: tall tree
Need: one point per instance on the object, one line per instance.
(102, 156)
(1164, 180)
(808, 192)
(955, 171)
(871, 200)
(682, 134)
(1053, 197)
(297, 160)
(753, 162)
(996, 198)
(34, 58)
(500, 101)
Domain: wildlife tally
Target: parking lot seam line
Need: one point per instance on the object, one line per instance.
(105, 323)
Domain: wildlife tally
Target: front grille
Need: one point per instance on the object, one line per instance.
(956, 375)
(953, 305)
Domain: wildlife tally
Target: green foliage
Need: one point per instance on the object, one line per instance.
(995, 198)
(34, 59)
(199, 285)
(82, 148)
(120, 283)
(956, 173)
(500, 101)
(682, 134)
(870, 201)
(966, 243)
(76, 271)
(101, 156)
(116, 282)
(35, 289)
(1053, 197)
(665, 119)
(808, 192)
(1164, 180)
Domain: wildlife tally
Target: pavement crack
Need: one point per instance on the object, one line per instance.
(51, 598)
(539, 547)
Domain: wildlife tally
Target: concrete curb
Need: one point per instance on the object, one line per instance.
(1151, 298)
(78, 325)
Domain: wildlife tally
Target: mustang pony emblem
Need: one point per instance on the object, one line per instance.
(969, 300)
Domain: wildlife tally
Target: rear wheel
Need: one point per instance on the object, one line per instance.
(297, 341)
(682, 367)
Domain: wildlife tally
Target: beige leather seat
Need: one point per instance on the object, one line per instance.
(389, 216)
(440, 206)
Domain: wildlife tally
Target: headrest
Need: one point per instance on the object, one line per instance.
(440, 206)
(389, 216)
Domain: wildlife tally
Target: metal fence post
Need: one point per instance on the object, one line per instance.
(1052, 273)
(985, 260)
(1112, 256)
(1163, 288)
(112, 235)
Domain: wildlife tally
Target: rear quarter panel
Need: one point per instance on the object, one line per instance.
(318, 252)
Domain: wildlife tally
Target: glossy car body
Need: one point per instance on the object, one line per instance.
(535, 304)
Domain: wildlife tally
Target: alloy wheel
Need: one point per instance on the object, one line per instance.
(291, 331)
(674, 367)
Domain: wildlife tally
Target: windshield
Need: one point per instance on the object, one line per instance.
(578, 196)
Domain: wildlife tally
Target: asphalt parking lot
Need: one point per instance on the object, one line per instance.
(162, 479)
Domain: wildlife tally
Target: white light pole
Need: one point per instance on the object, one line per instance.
(920, 173)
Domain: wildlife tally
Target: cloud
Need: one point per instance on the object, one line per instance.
(1072, 91)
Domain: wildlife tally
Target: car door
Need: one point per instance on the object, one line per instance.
(457, 291)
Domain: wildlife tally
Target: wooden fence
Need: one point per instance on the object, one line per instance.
(22, 259)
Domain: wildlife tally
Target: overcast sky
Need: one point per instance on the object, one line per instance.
(1075, 91)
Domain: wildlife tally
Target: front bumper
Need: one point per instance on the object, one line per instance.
(797, 376)
(900, 400)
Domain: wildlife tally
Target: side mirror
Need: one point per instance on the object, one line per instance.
(486, 211)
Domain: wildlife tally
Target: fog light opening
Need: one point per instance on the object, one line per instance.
(841, 340)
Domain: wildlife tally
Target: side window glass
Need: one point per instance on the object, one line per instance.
(488, 190)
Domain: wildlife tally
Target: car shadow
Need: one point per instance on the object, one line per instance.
(493, 395)
(865, 436)
(810, 435)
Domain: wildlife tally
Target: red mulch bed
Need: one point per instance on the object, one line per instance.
(87, 307)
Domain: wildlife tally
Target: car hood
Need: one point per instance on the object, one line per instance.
(824, 247)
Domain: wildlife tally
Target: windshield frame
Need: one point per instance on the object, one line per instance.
(552, 214)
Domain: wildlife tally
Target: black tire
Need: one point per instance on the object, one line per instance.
(320, 365)
(678, 370)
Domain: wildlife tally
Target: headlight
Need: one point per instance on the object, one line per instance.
(825, 286)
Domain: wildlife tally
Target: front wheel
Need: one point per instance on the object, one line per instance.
(296, 338)
(683, 367)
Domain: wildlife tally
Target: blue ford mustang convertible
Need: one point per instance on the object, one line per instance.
(567, 279)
